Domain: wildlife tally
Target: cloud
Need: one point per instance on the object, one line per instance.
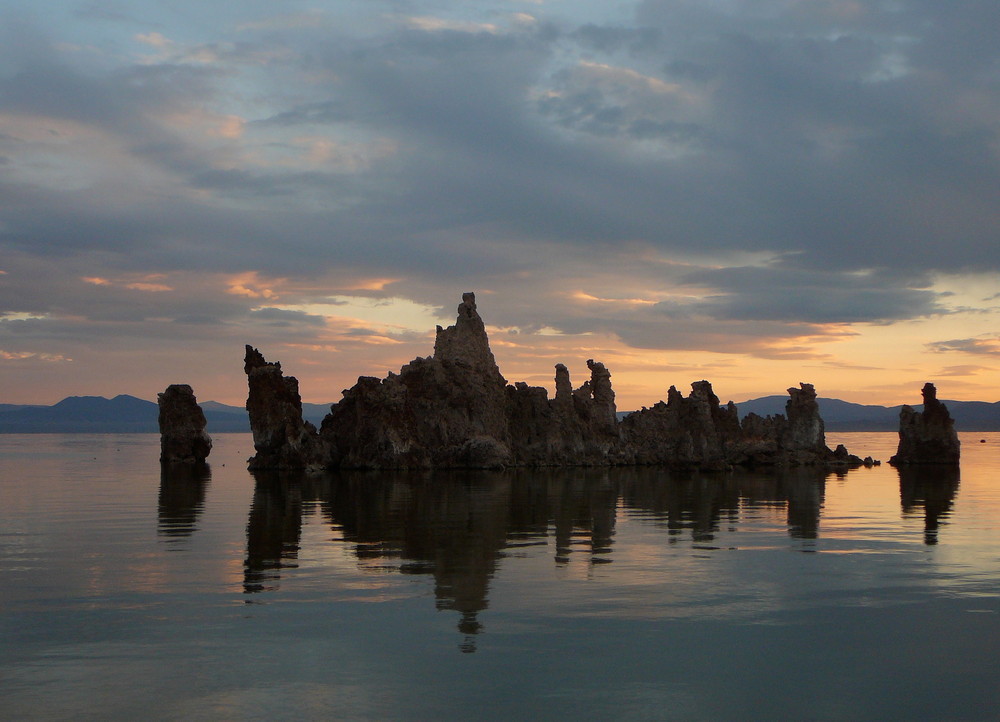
(611, 39)
(435, 24)
(283, 317)
(761, 178)
(32, 355)
(988, 345)
(806, 295)
(962, 370)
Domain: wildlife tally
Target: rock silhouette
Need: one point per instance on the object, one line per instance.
(455, 410)
(183, 439)
(927, 437)
(280, 436)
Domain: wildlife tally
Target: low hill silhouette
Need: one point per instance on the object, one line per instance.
(128, 414)
(122, 414)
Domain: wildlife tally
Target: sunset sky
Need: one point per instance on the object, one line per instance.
(754, 192)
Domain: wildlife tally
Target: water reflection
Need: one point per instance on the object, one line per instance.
(457, 526)
(274, 529)
(701, 503)
(452, 526)
(181, 498)
(930, 488)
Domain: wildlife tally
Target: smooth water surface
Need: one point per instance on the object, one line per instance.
(587, 593)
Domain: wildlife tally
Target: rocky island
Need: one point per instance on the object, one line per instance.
(183, 439)
(454, 409)
(928, 436)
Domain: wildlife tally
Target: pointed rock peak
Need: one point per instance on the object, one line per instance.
(806, 392)
(927, 437)
(468, 305)
(703, 390)
(601, 391)
(933, 408)
(600, 377)
(802, 404)
(254, 359)
(466, 343)
(564, 388)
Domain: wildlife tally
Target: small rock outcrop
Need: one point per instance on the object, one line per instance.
(698, 432)
(183, 439)
(282, 439)
(694, 432)
(455, 409)
(928, 436)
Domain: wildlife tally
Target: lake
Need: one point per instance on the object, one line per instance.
(627, 594)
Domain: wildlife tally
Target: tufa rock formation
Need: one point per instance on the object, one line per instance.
(696, 432)
(927, 437)
(455, 409)
(280, 436)
(183, 438)
(448, 410)
(691, 432)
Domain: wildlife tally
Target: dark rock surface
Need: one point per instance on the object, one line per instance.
(697, 432)
(927, 437)
(183, 439)
(448, 410)
(455, 409)
(685, 432)
(280, 436)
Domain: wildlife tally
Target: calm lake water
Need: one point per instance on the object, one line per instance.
(580, 594)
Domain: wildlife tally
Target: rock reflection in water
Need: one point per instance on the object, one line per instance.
(931, 489)
(457, 525)
(274, 528)
(450, 525)
(702, 502)
(181, 498)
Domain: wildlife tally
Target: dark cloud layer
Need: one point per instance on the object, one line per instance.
(849, 150)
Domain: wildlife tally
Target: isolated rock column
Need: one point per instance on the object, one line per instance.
(183, 438)
(927, 437)
(805, 432)
(282, 439)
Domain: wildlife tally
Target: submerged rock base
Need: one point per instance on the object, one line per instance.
(455, 410)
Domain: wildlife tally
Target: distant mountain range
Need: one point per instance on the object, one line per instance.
(122, 414)
(127, 414)
(844, 416)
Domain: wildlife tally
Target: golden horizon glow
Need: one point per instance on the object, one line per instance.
(369, 327)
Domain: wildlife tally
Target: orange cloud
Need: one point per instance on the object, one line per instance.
(149, 287)
(583, 296)
(22, 355)
(146, 282)
(250, 285)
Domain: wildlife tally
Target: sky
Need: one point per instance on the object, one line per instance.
(754, 192)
